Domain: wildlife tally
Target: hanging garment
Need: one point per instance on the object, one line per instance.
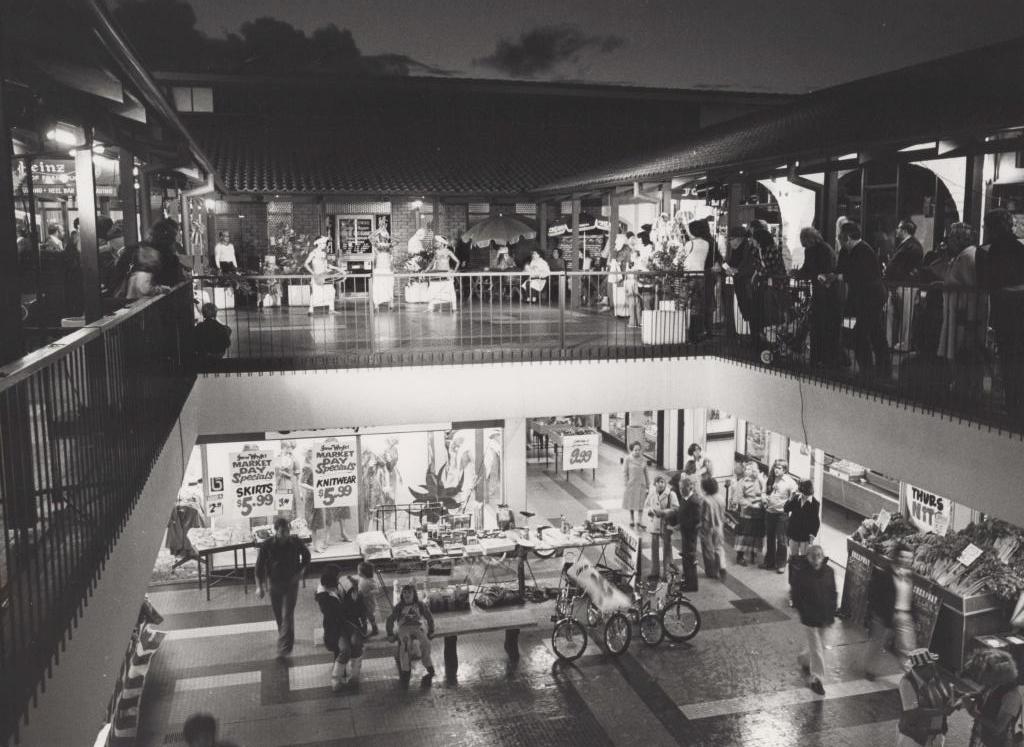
(183, 518)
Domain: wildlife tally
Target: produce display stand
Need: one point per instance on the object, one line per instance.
(955, 620)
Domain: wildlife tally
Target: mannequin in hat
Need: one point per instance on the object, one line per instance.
(927, 700)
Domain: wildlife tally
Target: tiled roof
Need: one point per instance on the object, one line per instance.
(285, 154)
(969, 93)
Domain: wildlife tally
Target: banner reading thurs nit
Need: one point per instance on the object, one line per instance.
(335, 474)
(251, 484)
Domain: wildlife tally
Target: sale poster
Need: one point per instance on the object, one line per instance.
(335, 476)
(580, 452)
(251, 481)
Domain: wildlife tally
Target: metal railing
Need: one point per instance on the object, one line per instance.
(940, 350)
(81, 423)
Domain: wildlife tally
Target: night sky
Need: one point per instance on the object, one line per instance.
(756, 45)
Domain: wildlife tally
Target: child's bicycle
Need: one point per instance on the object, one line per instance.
(569, 637)
(679, 618)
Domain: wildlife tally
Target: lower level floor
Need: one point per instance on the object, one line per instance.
(737, 681)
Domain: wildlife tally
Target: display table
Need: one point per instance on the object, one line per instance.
(664, 327)
(955, 621)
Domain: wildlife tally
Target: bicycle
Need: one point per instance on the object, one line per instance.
(569, 637)
(679, 618)
(618, 628)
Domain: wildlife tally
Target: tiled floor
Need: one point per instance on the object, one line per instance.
(737, 682)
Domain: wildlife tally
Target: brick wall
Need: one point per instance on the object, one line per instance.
(454, 217)
(307, 218)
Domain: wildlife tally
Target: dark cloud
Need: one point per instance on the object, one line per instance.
(542, 49)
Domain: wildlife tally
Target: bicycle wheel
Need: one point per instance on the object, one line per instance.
(593, 614)
(681, 620)
(651, 630)
(617, 634)
(545, 552)
(569, 639)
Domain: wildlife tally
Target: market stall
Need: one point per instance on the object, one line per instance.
(966, 584)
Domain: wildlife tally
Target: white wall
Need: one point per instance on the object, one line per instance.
(77, 696)
(963, 462)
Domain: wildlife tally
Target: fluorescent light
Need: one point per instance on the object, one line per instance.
(62, 135)
(918, 146)
(846, 157)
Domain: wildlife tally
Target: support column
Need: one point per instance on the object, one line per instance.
(128, 196)
(613, 219)
(12, 343)
(577, 247)
(514, 462)
(145, 204)
(830, 206)
(735, 197)
(542, 227)
(85, 189)
(974, 191)
(666, 198)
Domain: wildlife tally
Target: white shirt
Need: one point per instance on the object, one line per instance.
(224, 253)
(694, 254)
(904, 592)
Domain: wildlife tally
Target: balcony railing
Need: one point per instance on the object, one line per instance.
(939, 341)
(81, 423)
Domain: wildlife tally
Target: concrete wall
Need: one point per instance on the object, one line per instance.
(77, 695)
(963, 462)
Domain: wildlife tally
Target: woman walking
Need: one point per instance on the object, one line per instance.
(712, 529)
(637, 482)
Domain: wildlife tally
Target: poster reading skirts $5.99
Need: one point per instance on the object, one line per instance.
(335, 474)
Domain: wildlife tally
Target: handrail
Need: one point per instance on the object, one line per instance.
(21, 369)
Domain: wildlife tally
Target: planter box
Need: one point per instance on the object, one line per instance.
(417, 292)
(298, 295)
(664, 327)
(224, 298)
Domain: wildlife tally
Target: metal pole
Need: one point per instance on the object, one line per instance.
(126, 193)
(85, 188)
(12, 342)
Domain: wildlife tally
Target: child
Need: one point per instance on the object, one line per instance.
(367, 590)
(344, 622)
(410, 613)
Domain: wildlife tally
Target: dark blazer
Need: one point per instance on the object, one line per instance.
(862, 273)
(906, 258)
(804, 520)
(814, 595)
(341, 615)
(882, 596)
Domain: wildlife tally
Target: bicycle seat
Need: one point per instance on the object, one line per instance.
(527, 514)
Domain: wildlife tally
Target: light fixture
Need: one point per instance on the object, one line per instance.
(918, 146)
(136, 185)
(846, 157)
(99, 149)
(63, 134)
(417, 204)
(210, 204)
(135, 170)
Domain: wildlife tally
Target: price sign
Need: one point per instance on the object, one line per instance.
(215, 506)
(285, 501)
(335, 478)
(580, 452)
(971, 553)
(251, 483)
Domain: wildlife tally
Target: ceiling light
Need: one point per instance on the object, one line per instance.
(918, 146)
(846, 157)
(63, 134)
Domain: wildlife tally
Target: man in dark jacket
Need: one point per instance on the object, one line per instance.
(1001, 271)
(858, 267)
(689, 527)
(804, 512)
(344, 613)
(280, 564)
(826, 307)
(212, 339)
(814, 596)
(907, 256)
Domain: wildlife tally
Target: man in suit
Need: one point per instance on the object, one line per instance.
(858, 267)
(908, 254)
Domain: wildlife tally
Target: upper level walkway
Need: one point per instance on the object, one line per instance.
(940, 341)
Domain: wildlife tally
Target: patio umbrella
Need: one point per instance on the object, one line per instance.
(501, 229)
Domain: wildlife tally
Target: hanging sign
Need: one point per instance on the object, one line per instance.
(334, 474)
(925, 607)
(580, 452)
(927, 511)
(251, 483)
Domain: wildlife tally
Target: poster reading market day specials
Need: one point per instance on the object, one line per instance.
(251, 484)
(580, 452)
(335, 474)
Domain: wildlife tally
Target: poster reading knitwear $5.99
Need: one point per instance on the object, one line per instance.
(334, 474)
(251, 484)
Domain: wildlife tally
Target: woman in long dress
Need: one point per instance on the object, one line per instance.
(383, 276)
(712, 529)
(637, 482)
(442, 290)
(321, 292)
(539, 271)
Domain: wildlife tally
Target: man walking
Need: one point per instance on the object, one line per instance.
(281, 562)
(890, 604)
(814, 596)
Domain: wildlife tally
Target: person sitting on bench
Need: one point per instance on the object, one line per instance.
(410, 613)
(344, 625)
